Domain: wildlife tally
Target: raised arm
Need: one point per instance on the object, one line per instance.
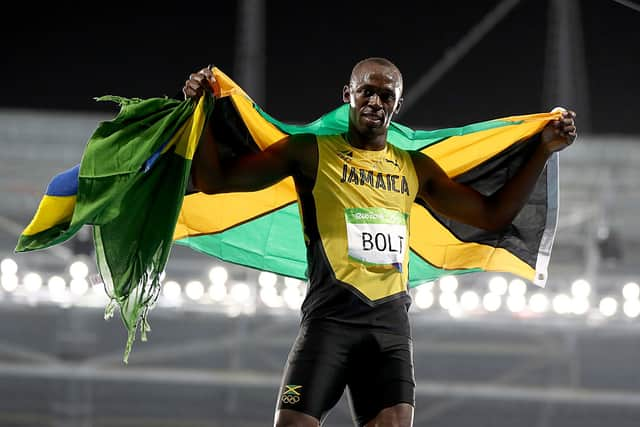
(250, 172)
(496, 211)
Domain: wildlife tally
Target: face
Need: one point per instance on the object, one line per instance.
(374, 96)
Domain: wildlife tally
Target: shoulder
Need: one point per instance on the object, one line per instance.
(425, 167)
(418, 157)
(294, 143)
(300, 145)
(302, 150)
(303, 138)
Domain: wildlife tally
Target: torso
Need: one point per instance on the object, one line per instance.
(355, 212)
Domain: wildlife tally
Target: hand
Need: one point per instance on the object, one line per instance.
(198, 83)
(561, 133)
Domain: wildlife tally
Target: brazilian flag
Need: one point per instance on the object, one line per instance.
(130, 186)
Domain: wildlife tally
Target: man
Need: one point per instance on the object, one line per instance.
(355, 330)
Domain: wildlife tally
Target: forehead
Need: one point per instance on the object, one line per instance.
(376, 74)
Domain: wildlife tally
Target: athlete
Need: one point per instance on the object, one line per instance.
(355, 332)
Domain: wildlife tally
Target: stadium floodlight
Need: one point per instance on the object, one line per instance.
(9, 282)
(580, 305)
(423, 298)
(469, 301)
(631, 291)
(32, 282)
(266, 278)
(218, 274)
(194, 290)
(240, 292)
(57, 288)
(517, 287)
(631, 308)
(78, 270)
(581, 288)
(217, 291)
(447, 300)
(608, 306)
(171, 291)
(8, 266)
(516, 303)
(561, 304)
(539, 303)
(78, 286)
(292, 281)
(269, 296)
(492, 302)
(448, 284)
(292, 297)
(455, 311)
(498, 285)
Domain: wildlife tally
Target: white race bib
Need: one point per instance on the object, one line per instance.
(377, 236)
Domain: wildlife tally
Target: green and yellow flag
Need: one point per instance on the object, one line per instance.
(130, 186)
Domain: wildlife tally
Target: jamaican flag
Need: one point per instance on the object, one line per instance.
(262, 229)
(131, 180)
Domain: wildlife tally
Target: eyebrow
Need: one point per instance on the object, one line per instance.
(377, 88)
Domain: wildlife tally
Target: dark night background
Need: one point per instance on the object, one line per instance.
(61, 63)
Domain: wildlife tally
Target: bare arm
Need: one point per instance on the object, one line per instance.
(496, 211)
(251, 172)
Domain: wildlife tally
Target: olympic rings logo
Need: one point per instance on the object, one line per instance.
(290, 399)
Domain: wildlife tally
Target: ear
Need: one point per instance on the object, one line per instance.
(398, 106)
(346, 94)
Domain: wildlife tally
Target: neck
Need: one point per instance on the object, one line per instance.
(366, 142)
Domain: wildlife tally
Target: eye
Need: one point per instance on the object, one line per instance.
(387, 97)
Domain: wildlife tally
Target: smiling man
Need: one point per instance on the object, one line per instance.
(355, 192)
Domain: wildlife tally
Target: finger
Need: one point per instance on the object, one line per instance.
(206, 72)
(193, 83)
(205, 78)
(188, 92)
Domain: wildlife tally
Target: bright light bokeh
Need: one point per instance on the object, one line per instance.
(631, 291)
(539, 303)
(581, 288)
(8, 266)
(194, 290)
(608, 306)
(32, 282)
(469, 300)
(517, 287)
(423, 298)
(78, 270)
(218, 274)
(240, 292)
(498, 285)
(448, 284)
(492, 302)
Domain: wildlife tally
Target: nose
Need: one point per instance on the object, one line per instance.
(375, 100)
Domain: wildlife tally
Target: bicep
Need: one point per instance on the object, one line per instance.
(448, 197)
(259, 170)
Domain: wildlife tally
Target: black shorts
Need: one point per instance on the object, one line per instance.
(376, 367)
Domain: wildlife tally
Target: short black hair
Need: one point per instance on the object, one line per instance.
(376, 60)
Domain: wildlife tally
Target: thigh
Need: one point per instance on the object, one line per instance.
(382, 376)
(315, 373)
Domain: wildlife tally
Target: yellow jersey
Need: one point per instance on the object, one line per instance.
(356, 223)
